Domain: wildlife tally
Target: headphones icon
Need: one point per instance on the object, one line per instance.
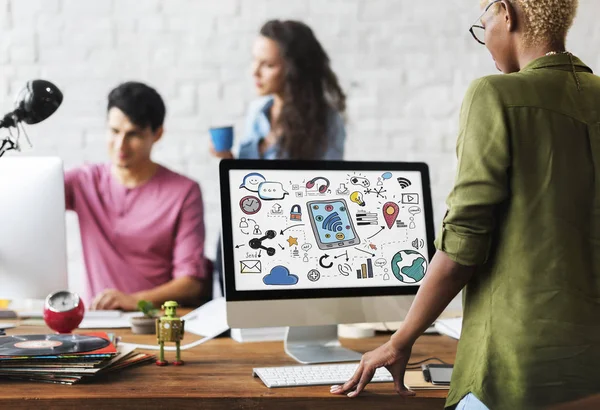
(323, 188)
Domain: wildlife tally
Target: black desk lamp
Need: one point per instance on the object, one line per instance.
(35, 102)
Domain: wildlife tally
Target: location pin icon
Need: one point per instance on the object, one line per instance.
(390, 213)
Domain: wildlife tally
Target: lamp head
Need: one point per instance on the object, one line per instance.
(38, 100)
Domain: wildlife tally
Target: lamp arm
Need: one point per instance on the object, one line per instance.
(7, 145)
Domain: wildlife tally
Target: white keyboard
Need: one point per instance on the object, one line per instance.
(313, 375)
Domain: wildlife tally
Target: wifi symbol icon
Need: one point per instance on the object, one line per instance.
(333, 223)
(404, 182)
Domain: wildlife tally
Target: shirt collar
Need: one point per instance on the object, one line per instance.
(267, 106)
(560, 61)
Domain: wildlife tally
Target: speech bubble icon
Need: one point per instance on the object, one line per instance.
(386, 175)
(252, 181)
(380, 263)
(413, 210)
(271, 191)
(306, 247)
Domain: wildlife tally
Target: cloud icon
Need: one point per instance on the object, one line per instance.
(280, 275)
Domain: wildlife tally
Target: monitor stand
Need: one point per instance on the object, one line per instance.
(317, 344)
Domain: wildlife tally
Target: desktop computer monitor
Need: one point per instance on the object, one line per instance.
(308, 244)
(33, 257)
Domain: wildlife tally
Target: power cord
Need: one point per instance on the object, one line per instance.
(417, 365)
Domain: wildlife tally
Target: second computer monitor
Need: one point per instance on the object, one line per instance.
(33, 256)
(316, 243)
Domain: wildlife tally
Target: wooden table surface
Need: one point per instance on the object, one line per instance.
(217, 375)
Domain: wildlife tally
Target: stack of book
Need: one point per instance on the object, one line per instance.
(65, 359)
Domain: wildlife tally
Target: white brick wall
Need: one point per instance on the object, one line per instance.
(404, 64)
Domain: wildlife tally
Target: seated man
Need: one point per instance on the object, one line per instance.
(142, 226)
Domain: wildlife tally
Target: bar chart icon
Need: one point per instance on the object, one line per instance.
(366, 270)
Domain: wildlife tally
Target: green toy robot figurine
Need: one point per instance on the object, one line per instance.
(169, 328)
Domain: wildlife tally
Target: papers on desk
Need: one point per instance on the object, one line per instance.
(93, 319)
(107, 319)
(209, 320)
(450, 327)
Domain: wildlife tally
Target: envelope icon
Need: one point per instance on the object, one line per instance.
(251, 266)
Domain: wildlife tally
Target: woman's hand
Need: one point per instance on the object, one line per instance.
(388, 356)
(220, 154)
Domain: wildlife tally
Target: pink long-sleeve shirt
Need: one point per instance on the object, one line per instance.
(140, 238)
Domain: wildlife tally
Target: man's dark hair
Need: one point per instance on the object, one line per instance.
(141, 103)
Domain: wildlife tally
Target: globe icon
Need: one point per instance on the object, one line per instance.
(409, 266)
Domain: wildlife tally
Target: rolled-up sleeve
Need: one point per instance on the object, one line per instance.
(188, 252)
(481, 184)
(71, 187)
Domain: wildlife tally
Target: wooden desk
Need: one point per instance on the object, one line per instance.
(217, 375)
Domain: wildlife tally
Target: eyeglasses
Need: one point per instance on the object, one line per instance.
(477, 30)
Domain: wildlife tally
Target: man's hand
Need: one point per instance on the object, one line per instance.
(393, 359)
(114, 299)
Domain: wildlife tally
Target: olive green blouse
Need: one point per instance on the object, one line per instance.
(525, 209)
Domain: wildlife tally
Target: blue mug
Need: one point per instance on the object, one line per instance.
(222, 138)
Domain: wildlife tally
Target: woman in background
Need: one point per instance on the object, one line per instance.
(299, 114)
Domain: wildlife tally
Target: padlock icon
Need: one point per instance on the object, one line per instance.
(296, 213)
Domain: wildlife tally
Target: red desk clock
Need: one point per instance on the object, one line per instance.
(63, 311)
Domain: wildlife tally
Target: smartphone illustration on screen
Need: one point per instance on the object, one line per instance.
(331, 224)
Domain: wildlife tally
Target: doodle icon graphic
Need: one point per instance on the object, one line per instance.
(409, 266)
(292, 241)
(357, 198)
(252, 181)
(331, 224)
(320, 188)
(296, 213)
(344, 269)
(280, 275)
(413, 210)
(360, 181)
(390, 213)
(313, 275)
(410, 199)
(271, 191)
(418, 244)
(386, 175)
(250, 266)
(342, 189)
(276, 209)
(250, 205)
(243, 223)
(412, 224)
(257, 243)
(404, 183)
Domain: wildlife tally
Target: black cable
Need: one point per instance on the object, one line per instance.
(417, 365)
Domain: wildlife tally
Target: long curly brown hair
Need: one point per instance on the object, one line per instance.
(310, 91)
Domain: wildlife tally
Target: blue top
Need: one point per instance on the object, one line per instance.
(258, 127)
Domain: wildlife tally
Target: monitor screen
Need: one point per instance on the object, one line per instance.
(308, 231)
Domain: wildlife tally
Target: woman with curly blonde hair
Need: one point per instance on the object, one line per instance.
(522, 231)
